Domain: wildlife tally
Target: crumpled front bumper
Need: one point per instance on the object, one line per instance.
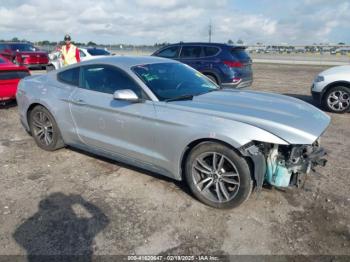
(283, 166)
(316, 158)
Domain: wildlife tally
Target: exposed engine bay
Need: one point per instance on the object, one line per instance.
(284, 165)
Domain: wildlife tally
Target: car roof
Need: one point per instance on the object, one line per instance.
(208, 44)
(127, 62)
(91, 48)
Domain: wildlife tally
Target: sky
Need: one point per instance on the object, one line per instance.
(158, 21)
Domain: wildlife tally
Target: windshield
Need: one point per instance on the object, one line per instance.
(97, 52)
(22, 47)
(173, 80)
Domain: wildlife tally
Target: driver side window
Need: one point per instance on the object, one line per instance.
(108, 79)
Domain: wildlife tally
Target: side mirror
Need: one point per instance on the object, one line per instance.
(126, 95)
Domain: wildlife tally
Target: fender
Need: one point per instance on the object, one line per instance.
(333, 84)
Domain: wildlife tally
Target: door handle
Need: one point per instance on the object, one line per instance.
(78, 102)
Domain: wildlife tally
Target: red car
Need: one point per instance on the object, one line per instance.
(24, 54)
(10, 75)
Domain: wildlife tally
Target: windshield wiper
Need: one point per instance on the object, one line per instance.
(179, 98)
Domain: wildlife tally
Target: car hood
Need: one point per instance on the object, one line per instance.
(337, 70)
(290, 119)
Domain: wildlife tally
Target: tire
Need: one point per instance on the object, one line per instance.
(213, 79)
(44, 129)
(50, 68)
(204, 180)
(337, 100)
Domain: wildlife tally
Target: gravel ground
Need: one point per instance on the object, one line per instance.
(70, 202)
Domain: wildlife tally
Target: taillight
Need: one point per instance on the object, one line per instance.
(233, 64)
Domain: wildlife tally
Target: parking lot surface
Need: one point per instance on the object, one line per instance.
(71, 202)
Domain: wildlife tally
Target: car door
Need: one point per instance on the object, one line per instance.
(116, 126)
(191, 55)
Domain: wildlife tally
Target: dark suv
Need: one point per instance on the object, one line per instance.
(227, 65)
(24, 54)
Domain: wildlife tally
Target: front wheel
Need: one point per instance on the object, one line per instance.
(44, 129)
(337, 99)
(218, 176)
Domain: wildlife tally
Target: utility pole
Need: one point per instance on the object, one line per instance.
(210, 30)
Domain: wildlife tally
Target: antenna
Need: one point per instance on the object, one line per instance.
(210, 30)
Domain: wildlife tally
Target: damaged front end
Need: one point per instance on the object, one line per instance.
(283, 165)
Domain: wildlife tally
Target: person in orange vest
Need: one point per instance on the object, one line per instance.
(69, 52)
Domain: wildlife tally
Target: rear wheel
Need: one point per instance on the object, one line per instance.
(218, 176)
(337, 99)
(44, 129)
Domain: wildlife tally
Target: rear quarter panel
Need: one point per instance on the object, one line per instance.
(53, 95)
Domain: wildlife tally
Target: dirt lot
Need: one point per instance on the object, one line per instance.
(69, 201)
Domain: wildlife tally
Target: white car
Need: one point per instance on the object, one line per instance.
(91, 53)
(85, 54)
(331, 89)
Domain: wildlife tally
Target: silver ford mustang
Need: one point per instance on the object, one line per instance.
(164, 116)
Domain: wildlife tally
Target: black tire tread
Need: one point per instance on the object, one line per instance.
(241, 164)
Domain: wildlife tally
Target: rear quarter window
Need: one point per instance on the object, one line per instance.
(70, 76)
(97, 52)
(7, 75)
(240, 54)
(210, 51)
(22, 47)
(81, 53)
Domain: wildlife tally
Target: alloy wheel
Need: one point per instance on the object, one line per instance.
(338, 100)
(42, 128)
(216, 177)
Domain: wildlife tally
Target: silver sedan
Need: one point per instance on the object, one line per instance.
(166, 117)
